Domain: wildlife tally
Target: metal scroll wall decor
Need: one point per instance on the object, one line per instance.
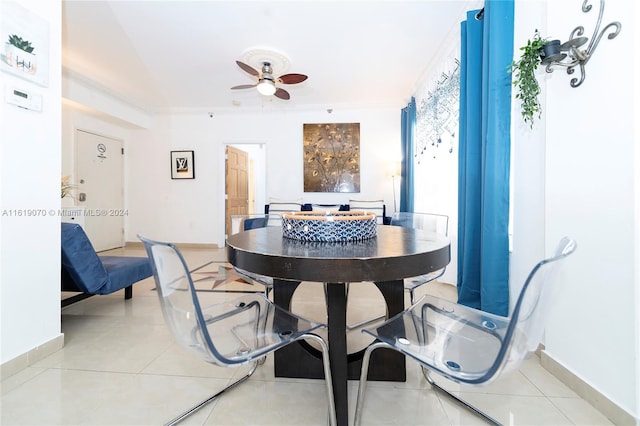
(576, 57)
(437, 117)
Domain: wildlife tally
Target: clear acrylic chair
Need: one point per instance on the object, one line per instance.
(466, 345)
(230, 333)
(429, 222)
(247, 222)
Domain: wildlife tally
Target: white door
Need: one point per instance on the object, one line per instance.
(100, 176)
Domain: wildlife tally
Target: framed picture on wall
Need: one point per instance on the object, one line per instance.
(182, 165)
(331, 157)
(25, 38)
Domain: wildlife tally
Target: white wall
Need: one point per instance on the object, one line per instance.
(30, 180)
(193, 210)
(588, 163)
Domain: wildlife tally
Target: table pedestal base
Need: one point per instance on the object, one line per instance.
(302, 361)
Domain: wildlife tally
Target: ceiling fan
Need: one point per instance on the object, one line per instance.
(266, 84)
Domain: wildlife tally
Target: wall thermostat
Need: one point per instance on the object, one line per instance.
(23, 98)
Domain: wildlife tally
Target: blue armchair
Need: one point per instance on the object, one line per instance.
(86, 272)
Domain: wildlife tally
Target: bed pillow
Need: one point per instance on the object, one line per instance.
(325, 207)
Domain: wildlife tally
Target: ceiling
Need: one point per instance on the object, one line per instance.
(180, 55)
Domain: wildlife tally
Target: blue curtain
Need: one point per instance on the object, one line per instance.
(484, 162)
(408, 125)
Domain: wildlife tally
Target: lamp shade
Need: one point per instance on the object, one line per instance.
(266, 87)
(394, 168)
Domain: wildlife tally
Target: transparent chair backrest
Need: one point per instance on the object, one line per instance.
(178, 301)
(234, 325)
(526, 327)
(426, 221)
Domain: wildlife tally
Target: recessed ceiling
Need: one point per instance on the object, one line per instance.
(179, 55)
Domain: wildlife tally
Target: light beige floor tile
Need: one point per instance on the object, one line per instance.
(384, 406)
(53, 397)
(508, 409)
(511, 383)
(256, 402)
(20, 378)
(125, 348)
(545, 381)
(175, 361)
(580, 412)
(153, 400)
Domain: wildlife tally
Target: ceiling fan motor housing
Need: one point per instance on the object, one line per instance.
(267, 71)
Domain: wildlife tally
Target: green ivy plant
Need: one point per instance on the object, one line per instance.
(524, 78)
(17, 41)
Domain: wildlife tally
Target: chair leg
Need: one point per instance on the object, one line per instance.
(461, 401)
(327, 375)
(363, 379)
(192, 410)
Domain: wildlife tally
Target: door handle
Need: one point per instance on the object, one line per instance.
(82, 196)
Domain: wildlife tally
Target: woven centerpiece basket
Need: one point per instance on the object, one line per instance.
(330, 226)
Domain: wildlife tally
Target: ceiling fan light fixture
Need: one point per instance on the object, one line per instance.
(266, 87)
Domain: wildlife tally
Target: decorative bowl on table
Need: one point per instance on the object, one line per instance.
(329, 226)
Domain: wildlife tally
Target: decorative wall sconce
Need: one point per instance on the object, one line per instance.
(575, 56)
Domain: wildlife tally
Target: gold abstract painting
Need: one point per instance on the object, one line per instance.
(331, 157)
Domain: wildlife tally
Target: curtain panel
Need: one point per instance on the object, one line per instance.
(484, 157)
(408, 126)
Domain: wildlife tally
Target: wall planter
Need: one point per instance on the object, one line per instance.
(524, 78)
(551, 50)
(538, 51)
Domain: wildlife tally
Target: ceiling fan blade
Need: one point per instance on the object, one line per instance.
(247, 68)
(292, 78)
(282, 94)
(244, 86)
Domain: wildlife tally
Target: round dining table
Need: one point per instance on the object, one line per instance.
(394, 254)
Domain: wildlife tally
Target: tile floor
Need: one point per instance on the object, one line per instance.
(119, 366)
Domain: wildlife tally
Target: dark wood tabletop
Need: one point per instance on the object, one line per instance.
(396, 253)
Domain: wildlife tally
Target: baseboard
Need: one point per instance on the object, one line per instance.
(138, 244)
(608, 408)
(27, 359)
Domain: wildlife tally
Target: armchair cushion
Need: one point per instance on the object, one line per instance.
(80, 263)
(124, 271)
(84, 271)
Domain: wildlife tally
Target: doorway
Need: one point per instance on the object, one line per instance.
(100, 188)
(245, 184)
